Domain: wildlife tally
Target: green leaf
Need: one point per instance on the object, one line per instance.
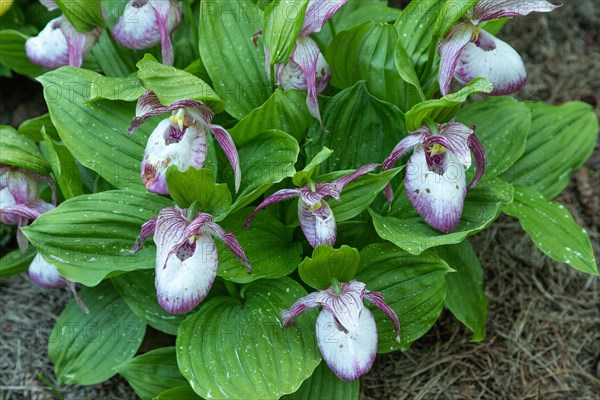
(284, 110)
(86, 348)
(265, 160)
(367, 52)
(451, 12)
(356, 12)
(116, 88)
(153, 372)
(282, 22)
(553, 229)
(444, 109)
(327, 263)
(414, 287)
(406, 69)
(95, 133)
(89, 237)
(235, 65)
(138, 290)
(301, 178)
(19, 151)
(16, 262)
(323, 384)
(114, 60)
(84, 16)
(267, 243)
(64, 168)
(178, 393)
(560, 140)
(502, 125)
(12, 54)
(229, 349)
(198, 185)
(171, 84)
(362, 130)
(465, 296)
(32, 128)
(407, 230)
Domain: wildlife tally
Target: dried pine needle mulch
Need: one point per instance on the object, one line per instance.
(544, 322)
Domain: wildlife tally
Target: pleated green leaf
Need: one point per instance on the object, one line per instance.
(20, 151)
(16, 262)
(65, 170)
(326, 263)
(32, 128)
(323, 384)
(281, 27)
(178, 393)
(84, 16)
(12, 53)
(198, 185)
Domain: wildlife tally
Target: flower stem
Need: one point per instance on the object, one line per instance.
(190, 15)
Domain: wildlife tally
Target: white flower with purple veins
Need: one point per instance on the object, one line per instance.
(59, 43)
(179, 140)
(468, 52)
(18, 199)
(186, 256)
(306, 68)
(316, 218)
(146, 23)
(435, 180)
(346, 330)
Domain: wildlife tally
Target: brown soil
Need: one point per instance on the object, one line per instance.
(544, 323)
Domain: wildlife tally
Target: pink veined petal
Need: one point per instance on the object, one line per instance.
(20, 185)
(226, 143)
(230, 241)
(49, 48)
(30, 210)
(280, 195)
(78, 44)
(345, 306)
(49, 4)
(162, 11)
(457, 136)
(405, 145)
(349, 354)
(301, 305)
(147, 103)
(450, 50)
(341, 182)
(439, 199)
(322, 190)
(45, 275)
(191, 230)
(306, 56)
(188, 275)
(146, 231)
(169, 233)
(486, 10)
(318, 13)
(502, 66)
(317, 223)
(480, 160)
(378, 301)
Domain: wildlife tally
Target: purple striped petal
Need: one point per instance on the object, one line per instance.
(29, 210)
(378, 301)
(301, 305)
(226, 142)
(345, 306)
(169, 233)
(78, 44)
(49, 48)
(230, 241)
(502, 66)
(317, 222)
(480, 160)
(450, 50)
(188, 275)
(341, 182)
(45, 275)
(322, 190)
(318, 13)
(162, 9)
(146, 231)
(278, 196)
(457, 136)
(486, 10)
(405, 145)
(438, 198)
(349, 354)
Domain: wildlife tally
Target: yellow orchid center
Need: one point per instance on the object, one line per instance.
(476, 34)
(178, 119)
(437, 149)
(316, 206)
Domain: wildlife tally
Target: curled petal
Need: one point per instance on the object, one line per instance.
(322, 190)
(230, 241)
(146, 231)
(405, 145)
(349, 354)
(341, 182)
(480, 160)
(187, 276)
(44, 274)
(450, 50)
(318, 13)
(502, 66)
(162, 11)
(317, 222)
(378, 301)
(226, 142)
(301, 305)
(486, 10)
(438, 198)
(345, 306)
(29, 210)
(457, 136)
(278, 196)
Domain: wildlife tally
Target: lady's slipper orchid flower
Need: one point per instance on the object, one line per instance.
(146, 23)
(306, 68)
(316, 218)
(186, 256)
(435, 180)
(346, 331)
(59, 44)
(179, 140)
(468, 52)
(18, 199)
